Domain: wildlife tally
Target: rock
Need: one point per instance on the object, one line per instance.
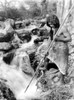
(7, 31)
(22, 62)
(5, 92)
(4, 46)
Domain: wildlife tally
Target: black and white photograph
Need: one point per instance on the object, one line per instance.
(36, 49)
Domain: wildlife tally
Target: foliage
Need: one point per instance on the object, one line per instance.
(13, 13)
(23, 13)
(10, 13)
(59, 93)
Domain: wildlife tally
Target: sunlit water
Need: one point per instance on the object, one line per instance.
(17, 82)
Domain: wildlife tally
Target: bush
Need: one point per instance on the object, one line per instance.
(33, 12)
(2, 15)
(12, 13)
(36, 12)
(23, 13)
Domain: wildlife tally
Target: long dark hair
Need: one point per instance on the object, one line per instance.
(54, 21)
(51, 34)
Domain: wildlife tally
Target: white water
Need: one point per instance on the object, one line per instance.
(18, 82)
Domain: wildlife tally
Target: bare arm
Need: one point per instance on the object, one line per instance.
(64, 37)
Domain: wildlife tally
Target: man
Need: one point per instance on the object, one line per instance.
(59, 51)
